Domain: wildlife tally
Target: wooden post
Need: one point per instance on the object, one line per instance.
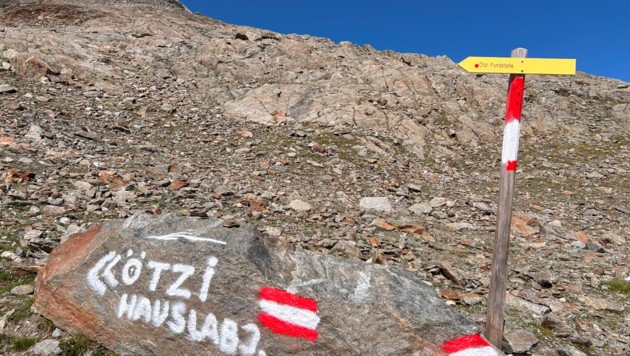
(498, 279)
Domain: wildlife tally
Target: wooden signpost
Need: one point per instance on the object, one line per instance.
(517, 66)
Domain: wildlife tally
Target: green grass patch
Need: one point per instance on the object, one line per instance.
(618, 285)
(9, 280)
(5, 341)
(80, 344)
(588, 349)
(45, 325)
(8, 241)
(22, 312)
(23, 343)
(76, 345)
(543, 331)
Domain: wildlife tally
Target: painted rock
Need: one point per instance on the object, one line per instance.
(172, 285)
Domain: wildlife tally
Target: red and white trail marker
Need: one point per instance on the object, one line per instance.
(512, 129)
(288, 314)
(471, 345)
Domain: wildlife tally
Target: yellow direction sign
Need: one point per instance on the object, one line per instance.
(509, 65)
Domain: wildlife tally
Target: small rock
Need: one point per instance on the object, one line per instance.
(224, 192)
(48, 347)
(51, 210)
(414, 187)
(7, 89)
(71, 230)
(34, 133)
(521, 304)
(273, 231)
(245, 134)
(558, 324)
(594, 175)
(406, 225)
(614, 239)
(168, 108)
(471, 299)
(580, 340)
(518, 341)
(594, 246)
(591, 212)
(122, 197)
(300, 205)
(524, 225)
(9, 255)
(93, 94)
(381, 204)
(451, 273)
(544, 278)
(460, 226)
(570, 351)
(347, 248)
(231, 223)
(24, 289)
(178, 184)
(382, 224)
(555, 223)
(421, 208)
(484, 207)
(437, 202)
(578, 244)
(57, 333)
(555, 305)
(163, 183)
(601, 304)
(33, 234)
(316, 147)
(450, 294)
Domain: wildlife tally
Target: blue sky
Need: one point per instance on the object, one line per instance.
(596, 33)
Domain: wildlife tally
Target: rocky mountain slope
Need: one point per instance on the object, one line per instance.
(109, 108)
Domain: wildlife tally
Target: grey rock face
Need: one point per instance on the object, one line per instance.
(173, 285)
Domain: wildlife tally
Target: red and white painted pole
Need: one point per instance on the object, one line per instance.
(498, 279)
(512, 128)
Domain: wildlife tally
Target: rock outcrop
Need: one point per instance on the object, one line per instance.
(172, 285)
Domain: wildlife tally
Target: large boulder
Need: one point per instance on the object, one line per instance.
(172, 285)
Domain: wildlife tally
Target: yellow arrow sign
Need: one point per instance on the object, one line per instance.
(509, 65)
